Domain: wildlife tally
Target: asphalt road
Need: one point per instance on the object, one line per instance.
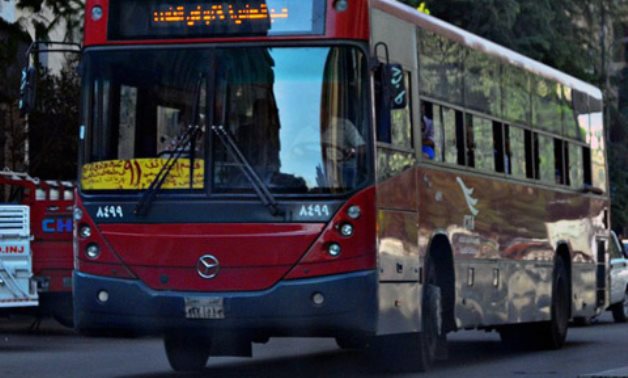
(52, 351)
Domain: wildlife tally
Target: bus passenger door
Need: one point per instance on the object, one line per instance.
(397, 218)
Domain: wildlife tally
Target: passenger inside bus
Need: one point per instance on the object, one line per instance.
(427, 132)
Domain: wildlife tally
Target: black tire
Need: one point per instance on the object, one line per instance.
(620, 310)
(412, 352)
(554, 332)
(352, 342)
(428, 340)
(186, 353)
(65, 320)
(582, 321)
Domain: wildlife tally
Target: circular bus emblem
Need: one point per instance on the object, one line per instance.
(207, 266)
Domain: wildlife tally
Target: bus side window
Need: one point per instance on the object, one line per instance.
(567, 174)
(439, 135)
(450, 146)
(431, 133)
(576, 173)
(468, 138)
(460, 138)
(559, 167)
(519, 158)
(503, 154)
(586, 164)
(484, 144)
(532, 154)
(547, 166)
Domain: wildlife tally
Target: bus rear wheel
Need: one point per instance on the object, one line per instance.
(550, 334)
(186, 353)
(554, 332)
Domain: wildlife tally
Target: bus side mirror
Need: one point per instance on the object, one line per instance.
(394, 85)
(28, 89)
(391, 95)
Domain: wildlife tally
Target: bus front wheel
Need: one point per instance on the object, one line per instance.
(415, 351)
(186, 353)
(431, 340)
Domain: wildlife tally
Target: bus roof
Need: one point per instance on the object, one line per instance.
(475, 42)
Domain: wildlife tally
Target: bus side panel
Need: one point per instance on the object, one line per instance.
(476, 215)
(585, 281)
(504, 238)
(398, 253)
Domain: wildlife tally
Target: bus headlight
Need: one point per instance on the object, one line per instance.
(92, 251)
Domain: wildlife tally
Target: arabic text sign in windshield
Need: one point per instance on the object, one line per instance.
(136, 174)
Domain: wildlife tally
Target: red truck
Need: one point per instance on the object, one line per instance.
(50, 204)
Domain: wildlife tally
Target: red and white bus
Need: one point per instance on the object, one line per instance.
(257, 168)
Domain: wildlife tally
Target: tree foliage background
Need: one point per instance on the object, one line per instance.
(52, 130)
(579, 37)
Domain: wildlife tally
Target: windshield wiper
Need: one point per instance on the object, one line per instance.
(147, 198)
(260, 188)
(187, 137)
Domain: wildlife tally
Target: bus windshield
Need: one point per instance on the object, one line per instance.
(299, 116)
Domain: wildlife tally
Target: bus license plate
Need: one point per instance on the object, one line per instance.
(204, 308)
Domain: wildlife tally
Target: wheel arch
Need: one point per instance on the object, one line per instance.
(563, 252)
(440, 253)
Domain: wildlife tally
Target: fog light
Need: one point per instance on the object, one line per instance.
(354, 212)
(85, 232)
(318, 299)
(103, 296)
(78, 214)
(334, 249)
(92, 251)
(346, 230)
(96, 13)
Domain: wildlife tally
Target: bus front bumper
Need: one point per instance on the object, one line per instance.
(286, 309)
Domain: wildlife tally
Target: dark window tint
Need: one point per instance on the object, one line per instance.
(547, 166)
(586, 165)
(518, 152)
(516, 94)
(440, 69)
(562, 175)
(481, 83)
(546, 107)
(532, 154)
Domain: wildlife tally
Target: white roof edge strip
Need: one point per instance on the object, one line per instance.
(478, 43)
